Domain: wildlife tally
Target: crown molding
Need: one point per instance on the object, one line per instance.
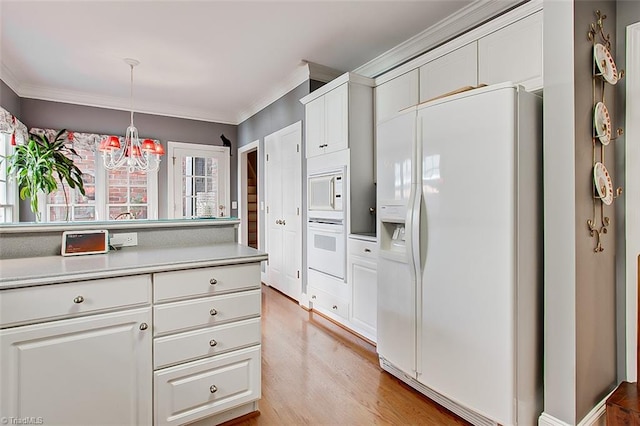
(111, 102)
(305, 71)
(453, 25)
(9, 78)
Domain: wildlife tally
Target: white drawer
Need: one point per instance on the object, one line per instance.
(328, 302)
(196, 344)
(367, 249)
(192, 283)
(192, 391)
(33, 304)
(205, 312)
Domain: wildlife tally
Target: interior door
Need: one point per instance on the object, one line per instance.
(283, 175)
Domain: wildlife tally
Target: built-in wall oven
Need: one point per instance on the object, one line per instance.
(326, 246)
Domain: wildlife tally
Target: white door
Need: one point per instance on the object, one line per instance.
(283, 176)
(84, 371)
(198, 180)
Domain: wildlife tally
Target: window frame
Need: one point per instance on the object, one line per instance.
(11, 204)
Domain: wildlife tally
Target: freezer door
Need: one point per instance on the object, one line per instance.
(466, 334)
(396, 314)
(395, 142)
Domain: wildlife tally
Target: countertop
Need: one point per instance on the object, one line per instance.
(24, 272)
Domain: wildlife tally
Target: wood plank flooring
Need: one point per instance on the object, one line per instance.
(315, 372)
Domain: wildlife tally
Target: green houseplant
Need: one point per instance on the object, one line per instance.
(36, 164)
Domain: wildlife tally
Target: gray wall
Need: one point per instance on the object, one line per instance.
(280, 114)
(9, 100)
(57, 115)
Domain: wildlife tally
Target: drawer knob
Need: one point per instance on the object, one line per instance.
(213, 281)
(212, 343)
(213, 312)
(78, 299)
(313, 296)
(367, 250)
(335, 306)
(144, 326)
(213, 389)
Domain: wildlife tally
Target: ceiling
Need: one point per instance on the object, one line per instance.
(207, 60)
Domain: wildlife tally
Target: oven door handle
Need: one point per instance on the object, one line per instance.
(326, 228)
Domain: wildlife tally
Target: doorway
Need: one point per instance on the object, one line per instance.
(248, 194)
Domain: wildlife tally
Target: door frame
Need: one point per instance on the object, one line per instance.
(243, 214)
(172, 146)
(632, 203)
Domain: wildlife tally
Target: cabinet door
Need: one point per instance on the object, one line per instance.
(336, 108)
(314, 127)
(449, 72)
(84, 371)
(395, 95)
(364, 304)
(513, 53)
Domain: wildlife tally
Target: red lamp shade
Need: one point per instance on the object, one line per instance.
(136, 151)
(159, 149)
(148, 145)
(112, 143)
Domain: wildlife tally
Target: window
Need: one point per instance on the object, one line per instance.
(109, 194)
(8, 193)
(199, 180)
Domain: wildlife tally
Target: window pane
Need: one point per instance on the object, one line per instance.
(89, 197)
(199, 166)
(84, 213)
(138, 178)
(139, 212)
(59, 213)
(118, 177)
(138, 195)
(114, 211)
(118, 194)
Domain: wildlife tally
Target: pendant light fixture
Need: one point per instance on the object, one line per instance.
(134, 155)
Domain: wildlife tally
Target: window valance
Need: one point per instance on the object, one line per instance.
(11, 125)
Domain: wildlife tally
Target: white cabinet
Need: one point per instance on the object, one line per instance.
(395, 95)
(364, 290)
(513, 53)
(449, 72)
(206, 342)
(95, 369)
(339, 115)
(328, 122)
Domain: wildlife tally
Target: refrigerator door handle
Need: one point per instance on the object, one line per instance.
(416, 223)
(409, 234)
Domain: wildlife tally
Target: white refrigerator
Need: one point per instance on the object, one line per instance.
(460, 262)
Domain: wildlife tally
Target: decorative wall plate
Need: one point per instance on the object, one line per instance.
(602, 123)
(603, 183)
(605, 63)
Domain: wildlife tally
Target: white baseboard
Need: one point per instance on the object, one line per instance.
(595, 417)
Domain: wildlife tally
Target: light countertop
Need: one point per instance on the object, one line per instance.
(24, 272)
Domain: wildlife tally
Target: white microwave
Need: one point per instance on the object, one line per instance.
(325, 193)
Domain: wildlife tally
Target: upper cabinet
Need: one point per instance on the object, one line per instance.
(339, 115)
(449, 72)
(513, 53)
(395, 95)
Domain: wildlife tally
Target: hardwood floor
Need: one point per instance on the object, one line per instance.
(315, 372)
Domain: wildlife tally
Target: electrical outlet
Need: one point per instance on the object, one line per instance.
(124, 239)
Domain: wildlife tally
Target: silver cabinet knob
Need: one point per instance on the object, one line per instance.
(213, 281)
(213, 389)
(144, 326)
(213, 312)
(367, 250)
(313, 296)
(278, 222)
(212, 343)
(335, 307)
(284, 222)
(78, 299)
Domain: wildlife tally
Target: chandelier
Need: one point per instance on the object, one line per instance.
(134, 155)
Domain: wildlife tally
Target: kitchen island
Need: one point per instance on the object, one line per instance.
(153, 334)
